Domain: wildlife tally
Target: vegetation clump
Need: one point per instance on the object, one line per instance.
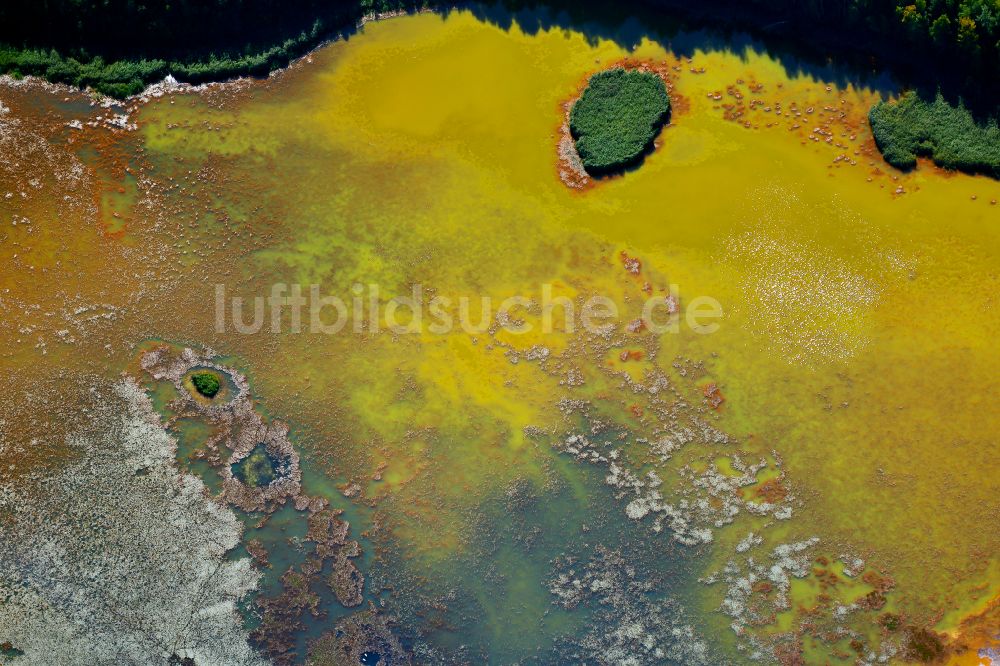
(206, 383)
(889, 621)
(913, 127)
(617, 118)
(923, 645)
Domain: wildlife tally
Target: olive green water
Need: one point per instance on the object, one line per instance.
(856, 345)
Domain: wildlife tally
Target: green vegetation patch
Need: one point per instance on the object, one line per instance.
(258, 469)
(913, 127)
(617, 118)
(206, 383)
(117, 47)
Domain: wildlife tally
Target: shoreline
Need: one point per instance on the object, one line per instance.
(170, 83)
(816, 41)
(92, 76)
(571, 173)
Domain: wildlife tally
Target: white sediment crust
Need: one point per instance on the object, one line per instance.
(120, 557)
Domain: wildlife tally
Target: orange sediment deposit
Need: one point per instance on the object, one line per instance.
(977, 637)
(838, 122)
(632, 264)
(772, 491)
(569, 165)
(713, 395)
(630, 355)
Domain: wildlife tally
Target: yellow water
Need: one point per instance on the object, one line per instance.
(858, 332)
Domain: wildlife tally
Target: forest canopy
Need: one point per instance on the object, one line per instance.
(617, 118)
(119, 46)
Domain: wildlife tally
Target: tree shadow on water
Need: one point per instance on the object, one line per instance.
(803, 48)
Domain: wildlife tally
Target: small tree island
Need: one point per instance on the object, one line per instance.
(206, 383)
(617, 118)
(913, 127)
